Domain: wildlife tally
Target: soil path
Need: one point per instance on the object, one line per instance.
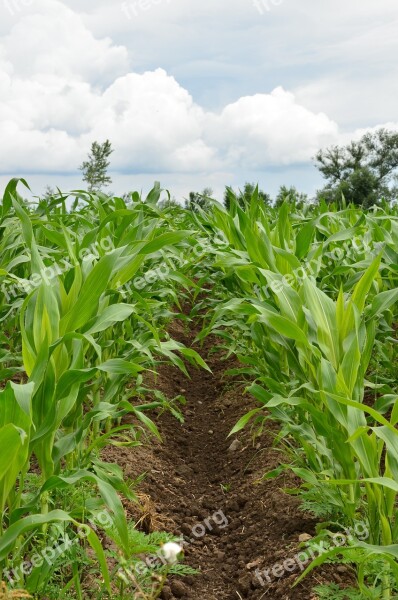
(205, 490)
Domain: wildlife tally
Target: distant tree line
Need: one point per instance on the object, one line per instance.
(202, 200)
(363, 172)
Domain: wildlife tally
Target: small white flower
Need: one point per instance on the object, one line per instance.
(170, 551)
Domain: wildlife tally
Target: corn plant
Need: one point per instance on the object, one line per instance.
(307, 322)
(77, 347)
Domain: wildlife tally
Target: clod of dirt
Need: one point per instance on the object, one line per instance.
(166, 593)
(178, 589)
(341, 569)
(234, 447)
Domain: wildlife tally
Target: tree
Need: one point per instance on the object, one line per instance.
(199, 200)
(292, 195)
(95, 168)
(243, 197)
(169, 203)
(361, 171)
(49, 192)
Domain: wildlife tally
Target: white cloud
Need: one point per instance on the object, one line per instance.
(52, 108)
(153, 123)
(52, 39)
(270, 129)
(353, 102)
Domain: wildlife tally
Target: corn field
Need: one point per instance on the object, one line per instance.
(305, 299)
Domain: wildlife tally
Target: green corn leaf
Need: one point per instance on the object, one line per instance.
(323, 311)
(283, 326)
(111, 315)
(241, 424)
(90, 293)
(10, 193)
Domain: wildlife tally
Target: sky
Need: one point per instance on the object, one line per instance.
(191, 93)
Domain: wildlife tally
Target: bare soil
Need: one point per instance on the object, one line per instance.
(199, 487)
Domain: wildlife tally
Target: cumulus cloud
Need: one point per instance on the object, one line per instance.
(153, 123)
(62, 87)
(270, 129)
(52, 39)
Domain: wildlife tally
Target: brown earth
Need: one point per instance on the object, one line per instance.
(211, 494)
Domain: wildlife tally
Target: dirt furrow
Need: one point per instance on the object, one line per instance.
(208, 492)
